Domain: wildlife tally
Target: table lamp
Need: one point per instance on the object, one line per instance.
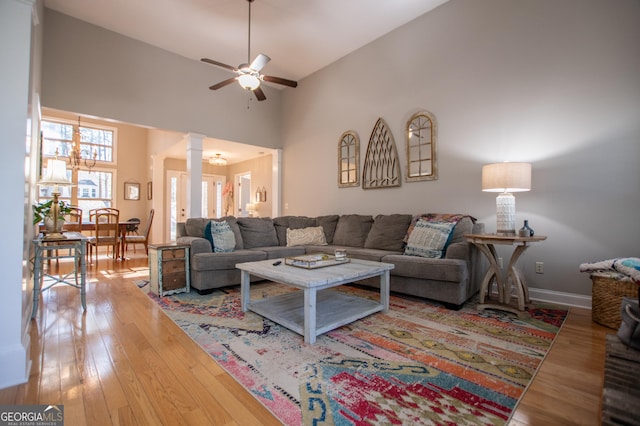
(506, 178)
(55, 176)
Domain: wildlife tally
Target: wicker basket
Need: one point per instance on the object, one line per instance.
(606, 298)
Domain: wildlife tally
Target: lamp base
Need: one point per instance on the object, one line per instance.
(506, 214)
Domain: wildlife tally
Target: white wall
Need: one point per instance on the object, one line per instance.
(17, 37)
(553, 83)
(90, 70)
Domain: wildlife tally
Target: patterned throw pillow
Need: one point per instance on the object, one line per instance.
(429, 239)
(222, 237)
(313, 235)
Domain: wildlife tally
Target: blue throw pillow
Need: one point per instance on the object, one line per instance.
(224, 240)
(429, 239)
(207, 233)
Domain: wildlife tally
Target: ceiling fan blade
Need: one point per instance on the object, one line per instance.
(219, 64)
(279, 80)
(259, 93)
(259, 62)
(223, 83)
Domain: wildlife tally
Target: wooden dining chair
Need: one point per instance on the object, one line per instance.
(72, 223)
(141, 239)
(73, 220)
(106, 233)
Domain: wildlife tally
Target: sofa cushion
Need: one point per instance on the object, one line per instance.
(388, 231)
(195, 226)
(300, 222)
(221, 261)
(352, 230)
(222, 236)
(329, 224)
(257, 232)
(429, 239)
(312, 235)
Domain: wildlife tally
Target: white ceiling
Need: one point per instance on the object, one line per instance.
(300, 36)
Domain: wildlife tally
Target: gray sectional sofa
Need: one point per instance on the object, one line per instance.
(452, 279)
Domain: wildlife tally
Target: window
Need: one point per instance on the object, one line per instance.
(99, 184)
(93, 186)
(91, 139)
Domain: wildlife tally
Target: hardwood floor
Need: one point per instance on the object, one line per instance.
(125, 363)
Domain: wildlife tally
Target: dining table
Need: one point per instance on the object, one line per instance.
(122, 226)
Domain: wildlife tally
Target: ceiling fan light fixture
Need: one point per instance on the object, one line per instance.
(249, 81)
(218, 160)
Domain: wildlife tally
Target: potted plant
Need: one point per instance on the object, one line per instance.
(42, 213)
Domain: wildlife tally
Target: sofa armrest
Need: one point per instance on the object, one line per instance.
(458, 251)
(198, 244)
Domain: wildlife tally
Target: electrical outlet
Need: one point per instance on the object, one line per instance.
(500, 264)
(286, 206)
(539, 267)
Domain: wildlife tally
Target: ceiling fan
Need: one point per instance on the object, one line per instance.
(248, 75)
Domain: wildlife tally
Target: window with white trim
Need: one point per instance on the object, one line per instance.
(93, 180)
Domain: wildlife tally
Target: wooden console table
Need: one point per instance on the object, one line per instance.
(76, 243)
(486, 244)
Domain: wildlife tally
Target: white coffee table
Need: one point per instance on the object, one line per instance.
(314, 310)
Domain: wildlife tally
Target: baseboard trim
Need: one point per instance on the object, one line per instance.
(569, 299)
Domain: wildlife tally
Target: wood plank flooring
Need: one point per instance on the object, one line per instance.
(125, 363)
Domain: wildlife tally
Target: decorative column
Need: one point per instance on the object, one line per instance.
(194, 174)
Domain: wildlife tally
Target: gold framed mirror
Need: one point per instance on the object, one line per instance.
(348, 159)
(421, 135)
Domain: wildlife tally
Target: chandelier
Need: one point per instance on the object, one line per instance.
(75, 156)
(218, 160)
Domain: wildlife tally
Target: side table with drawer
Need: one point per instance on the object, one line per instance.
(168, 268)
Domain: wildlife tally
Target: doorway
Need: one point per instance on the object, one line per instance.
(212, 205)
(243, 183)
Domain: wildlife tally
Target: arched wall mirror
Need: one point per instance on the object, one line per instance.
(348, 159)
(421, 133)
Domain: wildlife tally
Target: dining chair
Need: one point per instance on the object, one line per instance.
(73, 220)
(106, 233)
(141, 239)
(72, 223)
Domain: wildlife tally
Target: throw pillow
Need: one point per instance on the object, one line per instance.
(429, 239)
(222, 236)
(312, 235)
(207, 233)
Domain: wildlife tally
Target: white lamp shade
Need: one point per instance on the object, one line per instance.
(56, 174)
(249, 81)
(506, 177)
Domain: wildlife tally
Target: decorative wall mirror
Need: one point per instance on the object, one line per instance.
(421, 147)
(348, 159)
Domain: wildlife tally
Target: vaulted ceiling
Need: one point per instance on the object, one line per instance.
(300, 36)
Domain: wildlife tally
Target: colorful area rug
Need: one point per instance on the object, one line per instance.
(417, 364)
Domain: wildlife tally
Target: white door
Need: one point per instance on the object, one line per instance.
(177, 198)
